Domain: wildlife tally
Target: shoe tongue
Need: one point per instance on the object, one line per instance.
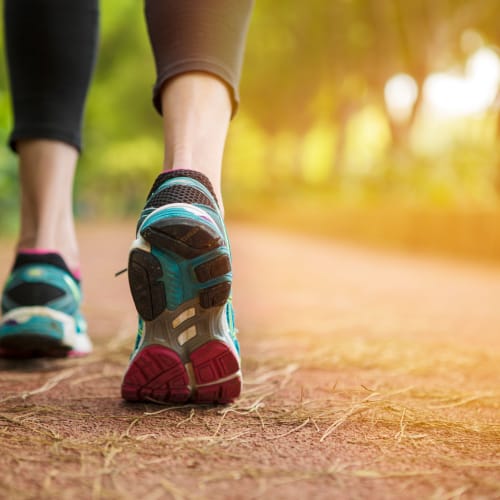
(193, 174)
(51, 258)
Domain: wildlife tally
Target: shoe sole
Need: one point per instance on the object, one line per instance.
(180, 279)
(37, 331)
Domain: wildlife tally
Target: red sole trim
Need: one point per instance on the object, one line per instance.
(158, 374)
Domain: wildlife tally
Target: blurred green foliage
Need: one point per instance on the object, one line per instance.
(312, 121)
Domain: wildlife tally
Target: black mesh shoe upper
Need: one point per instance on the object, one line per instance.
(198, 176)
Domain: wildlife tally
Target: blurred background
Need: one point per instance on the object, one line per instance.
(369, 120)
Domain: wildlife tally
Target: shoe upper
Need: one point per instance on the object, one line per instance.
(42, 280)
(183, 186)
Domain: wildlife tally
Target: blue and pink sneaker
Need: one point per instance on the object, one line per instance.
(180, 277)
(41, 309)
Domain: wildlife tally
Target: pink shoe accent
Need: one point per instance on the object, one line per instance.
(158, 374)
(77, 354)
(225, 392)
(37, 251)
(76, 273)
(211, 362)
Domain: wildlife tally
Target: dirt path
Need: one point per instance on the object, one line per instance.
(367, 375)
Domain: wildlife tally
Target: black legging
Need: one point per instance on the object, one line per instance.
(52, 45)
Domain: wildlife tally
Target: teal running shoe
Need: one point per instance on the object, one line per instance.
(41, 310)
(180, 278)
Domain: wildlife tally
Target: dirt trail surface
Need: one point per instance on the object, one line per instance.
(367, 375)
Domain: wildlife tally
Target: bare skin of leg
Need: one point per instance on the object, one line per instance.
(46, 170)
(196, 110)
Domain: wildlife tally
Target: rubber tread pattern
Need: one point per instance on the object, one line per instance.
(216, 295)
(148, 292)
(184, 240)
(213, 268)
(158, 374)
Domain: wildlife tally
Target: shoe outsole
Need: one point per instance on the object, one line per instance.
(33, 345)
(158, 374)
(188, 242)
(205, 370)
(148, 292)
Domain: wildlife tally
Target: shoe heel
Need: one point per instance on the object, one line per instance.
(185, 239)
(216, 370)
(156, 374)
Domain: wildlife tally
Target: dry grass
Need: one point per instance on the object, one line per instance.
(441, 442)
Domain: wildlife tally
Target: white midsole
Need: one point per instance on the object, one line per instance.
(193, 209)
(76, 341)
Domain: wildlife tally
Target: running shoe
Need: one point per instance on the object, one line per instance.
(180, 278)
(41, 310)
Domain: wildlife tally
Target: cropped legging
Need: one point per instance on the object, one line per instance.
(52, 46)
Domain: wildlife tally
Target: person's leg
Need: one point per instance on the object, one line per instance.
(51, 46)
(180, 264)
(196, 111)
(198, 47)
(46, 172)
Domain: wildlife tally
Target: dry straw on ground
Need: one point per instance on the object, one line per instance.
(419, 435)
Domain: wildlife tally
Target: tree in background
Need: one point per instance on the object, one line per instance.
(313, 109)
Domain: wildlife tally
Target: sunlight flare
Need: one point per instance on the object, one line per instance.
(450, 94)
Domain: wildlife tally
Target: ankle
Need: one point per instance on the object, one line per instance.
(70, 257)
(57, 237)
